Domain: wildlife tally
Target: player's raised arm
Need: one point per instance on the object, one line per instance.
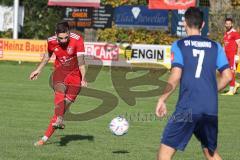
(37, 71)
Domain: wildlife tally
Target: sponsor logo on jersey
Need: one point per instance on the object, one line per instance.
(69, 50)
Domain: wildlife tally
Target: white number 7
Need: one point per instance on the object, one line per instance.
(201, 54)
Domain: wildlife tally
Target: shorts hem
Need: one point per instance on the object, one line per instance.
(70, 99)
(172, 146)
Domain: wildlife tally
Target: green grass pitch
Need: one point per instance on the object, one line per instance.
(26, 107)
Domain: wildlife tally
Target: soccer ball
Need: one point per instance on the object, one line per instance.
(119, 126)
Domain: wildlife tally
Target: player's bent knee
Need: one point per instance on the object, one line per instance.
(165, 152)
(214, 156)
(164, 157)
(68, 102)
(59, 87)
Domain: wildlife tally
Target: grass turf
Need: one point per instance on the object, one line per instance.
(26, 107)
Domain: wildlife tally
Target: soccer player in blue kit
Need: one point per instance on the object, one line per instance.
(195, 60)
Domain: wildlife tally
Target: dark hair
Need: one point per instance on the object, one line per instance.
(194, 17)
(228, 19)
(62, 27)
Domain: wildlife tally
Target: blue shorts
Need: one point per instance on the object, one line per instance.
(182, 126)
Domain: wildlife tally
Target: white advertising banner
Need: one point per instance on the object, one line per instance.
(143, 53)
(96, 53)
(101, 53)
(6, 17)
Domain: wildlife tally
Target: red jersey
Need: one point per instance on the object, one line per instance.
(181, 2)
(230, 44)
(66, 58)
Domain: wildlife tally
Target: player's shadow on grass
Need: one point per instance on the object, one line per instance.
(120, 152)
(64, 140)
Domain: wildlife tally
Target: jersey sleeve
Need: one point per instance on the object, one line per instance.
(51, 46)
(80, 47)
(222, 62)
(236, 36)
(177, 58)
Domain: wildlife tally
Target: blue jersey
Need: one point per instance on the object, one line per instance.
(199, 58)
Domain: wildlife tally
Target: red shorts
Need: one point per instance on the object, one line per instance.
(231, 60)
(71, 80)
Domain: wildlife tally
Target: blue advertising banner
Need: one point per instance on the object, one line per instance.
(140, 16)
(177, 27)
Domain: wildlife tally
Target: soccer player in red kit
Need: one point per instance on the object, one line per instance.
(232, 48)
(68, 75)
